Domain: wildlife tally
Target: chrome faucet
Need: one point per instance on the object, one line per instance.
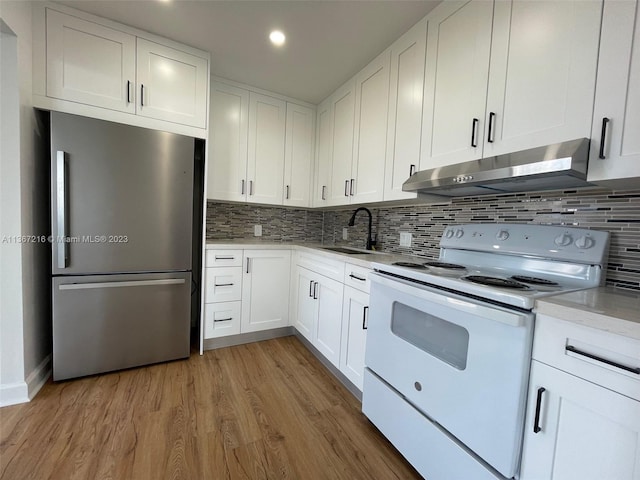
(352, 222)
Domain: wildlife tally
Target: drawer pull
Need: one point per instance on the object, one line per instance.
(536, 422)
(224, 258)
(223, 319)
(355, 277)
(224, 284)
(572, 349)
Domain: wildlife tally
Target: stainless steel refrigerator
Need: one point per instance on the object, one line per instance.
(122, 208)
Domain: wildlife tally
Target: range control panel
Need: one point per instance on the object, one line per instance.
(553, 242)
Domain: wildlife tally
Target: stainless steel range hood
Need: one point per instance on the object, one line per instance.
(563, 165)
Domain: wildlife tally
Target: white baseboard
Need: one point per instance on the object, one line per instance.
(22, 392)
(38, 377)
(13, 393)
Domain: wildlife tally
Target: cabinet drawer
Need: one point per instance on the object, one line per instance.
(357, 277)
(223, 284)
(223, 258)
(600, 357)
(324, 266)
(221, 319)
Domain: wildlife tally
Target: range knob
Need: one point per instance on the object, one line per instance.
(459, 233)
(502, 235)
(563, 240)
(448, 233)
(585, 242)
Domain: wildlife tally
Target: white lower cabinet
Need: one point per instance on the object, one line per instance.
(585, 431)
(221, 319)
(328, 295)
(583, 409)
(355, 312)
(265, 289)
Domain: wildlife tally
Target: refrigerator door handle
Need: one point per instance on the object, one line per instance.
(133, 283)
(61, 203)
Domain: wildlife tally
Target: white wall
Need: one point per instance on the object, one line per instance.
(25, 330)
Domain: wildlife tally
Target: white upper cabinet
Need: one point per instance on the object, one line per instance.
(229, 126)
(507, 76)
(90, 63)
(265, 168)
(323, 154)
(298, 156)
(172, 85)
(457, 68)
(94, 67)
(342, 108)
(615, 139)
(370, 132)
(542, 74)
(405, 110)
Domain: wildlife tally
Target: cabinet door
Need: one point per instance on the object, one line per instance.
(298, 155)
(587, 431)
(370, 132)
(405, 110)
(307, 311)
(323, 154)
(172, 85)
(265, 289)
(342, 120)
(542, 74)
(265, 168)
(328, 295)
(457, 67)
(617, 98)
(355, 313)
(228, 128)
(91, 64)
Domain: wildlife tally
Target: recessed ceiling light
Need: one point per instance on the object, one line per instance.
(277, 38)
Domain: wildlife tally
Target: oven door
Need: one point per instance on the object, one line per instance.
(464, 363)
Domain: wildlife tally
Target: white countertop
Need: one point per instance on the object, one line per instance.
(606, 308)
(364, 260)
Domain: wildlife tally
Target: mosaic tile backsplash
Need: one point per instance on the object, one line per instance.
(617, 212)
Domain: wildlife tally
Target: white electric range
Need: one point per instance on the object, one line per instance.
(449, 342)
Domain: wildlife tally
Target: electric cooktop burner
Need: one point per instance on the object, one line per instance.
(409, 265)
(496, 282)
(450, 266)
(534, 280)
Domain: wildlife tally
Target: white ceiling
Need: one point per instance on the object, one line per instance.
(327, 40)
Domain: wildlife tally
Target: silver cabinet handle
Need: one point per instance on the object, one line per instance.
(223, 319)
(250, 187)
(311, 289)
(224, 258)
(412, 169)
(132, 283)
(223, 284)
(128, 91)
(353, 181)
(346, 188)
(324, 188)
(365, 318)
(242, 188)
(287, 195)
(355, 277)
(61, 209)
(141, 95)
(315, 290)
(248, 264)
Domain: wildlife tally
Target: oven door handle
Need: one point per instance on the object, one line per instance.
(451, 301)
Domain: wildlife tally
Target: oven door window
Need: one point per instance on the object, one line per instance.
(437, 337)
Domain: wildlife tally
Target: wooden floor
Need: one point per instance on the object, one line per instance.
(266, 410)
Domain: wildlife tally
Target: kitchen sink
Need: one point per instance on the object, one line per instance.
(348, 251)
